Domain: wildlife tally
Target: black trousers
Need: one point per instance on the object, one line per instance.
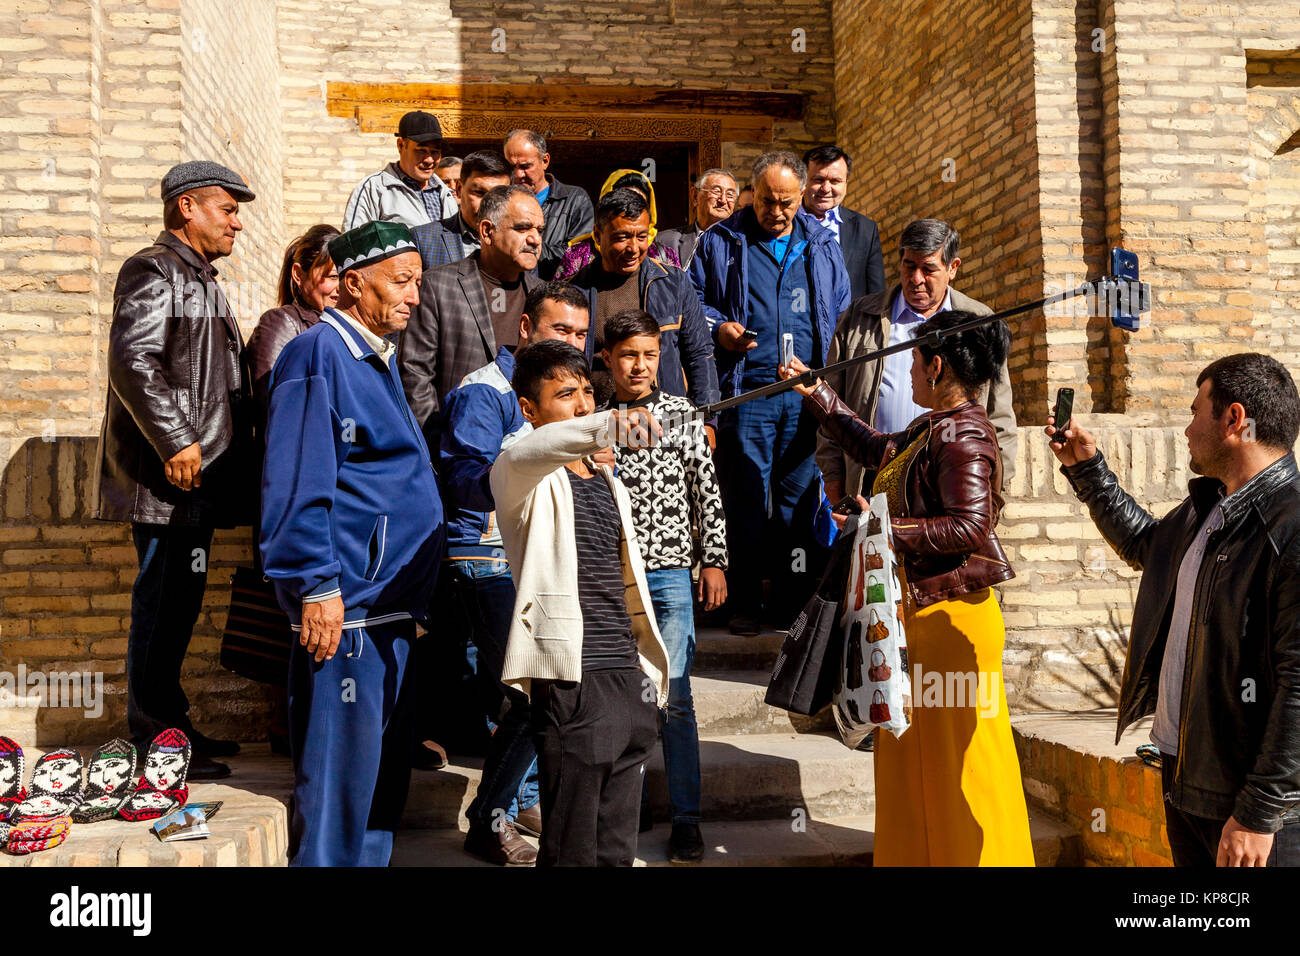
(1194, 841)
(592, 739)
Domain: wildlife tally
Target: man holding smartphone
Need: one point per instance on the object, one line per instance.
(1214, 651)
(766, 272)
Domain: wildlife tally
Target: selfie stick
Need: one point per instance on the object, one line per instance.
(1129, 297)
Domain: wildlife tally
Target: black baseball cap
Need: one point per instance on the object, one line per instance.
(420, 127)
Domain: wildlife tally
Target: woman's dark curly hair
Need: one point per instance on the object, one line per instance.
(973, 357)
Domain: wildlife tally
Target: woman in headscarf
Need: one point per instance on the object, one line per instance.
(582, 250)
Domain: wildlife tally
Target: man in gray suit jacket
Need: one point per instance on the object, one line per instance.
(469, 308)
(880, 393)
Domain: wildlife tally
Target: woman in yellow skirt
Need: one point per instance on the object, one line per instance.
(948, 791)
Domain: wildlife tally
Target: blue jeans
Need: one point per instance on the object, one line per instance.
(673, 599)
(165, 602)
(485, 593)
(770, 492)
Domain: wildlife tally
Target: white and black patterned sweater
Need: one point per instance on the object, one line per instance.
(674, 489)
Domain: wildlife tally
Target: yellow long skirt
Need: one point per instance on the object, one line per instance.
(948, 792)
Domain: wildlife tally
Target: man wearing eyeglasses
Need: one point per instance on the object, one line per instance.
(406, 191)
(713, 199)
(764, 273)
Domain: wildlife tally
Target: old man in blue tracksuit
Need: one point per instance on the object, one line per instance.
(352, 534)
(768, 272)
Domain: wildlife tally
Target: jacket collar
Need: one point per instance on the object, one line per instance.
(738, 223)
(352, 337)
(1207, 492)
(188, 253)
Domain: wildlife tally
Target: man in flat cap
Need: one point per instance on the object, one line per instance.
(352, 536)
(172, 450)
(406, 191)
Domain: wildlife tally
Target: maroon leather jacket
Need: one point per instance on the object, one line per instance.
(951, 499)
(274, 330)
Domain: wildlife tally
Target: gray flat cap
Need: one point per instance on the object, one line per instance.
(200, 173)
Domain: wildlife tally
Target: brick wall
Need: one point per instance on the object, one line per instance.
(231, 113)
(939, 119)
(716, 45)
(1072, 771)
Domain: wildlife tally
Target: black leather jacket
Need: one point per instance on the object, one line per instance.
(174, 378)
(569, 213)
(1239, 726)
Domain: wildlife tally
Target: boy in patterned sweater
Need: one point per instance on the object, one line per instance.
(674, 490)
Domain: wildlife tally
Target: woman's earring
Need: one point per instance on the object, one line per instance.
(931, 382)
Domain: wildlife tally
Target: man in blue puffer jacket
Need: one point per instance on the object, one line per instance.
(352, 535)
(770, 270)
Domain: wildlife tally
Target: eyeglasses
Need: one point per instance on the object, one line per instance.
(716, 191)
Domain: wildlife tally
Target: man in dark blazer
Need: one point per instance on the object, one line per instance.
(858, 236)
(469, 308)
(455, 237)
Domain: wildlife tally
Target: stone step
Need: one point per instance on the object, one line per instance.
(719, 649)
(731, 702)
(744, 776)
(841, 841)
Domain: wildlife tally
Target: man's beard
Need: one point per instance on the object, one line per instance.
(1208, 464)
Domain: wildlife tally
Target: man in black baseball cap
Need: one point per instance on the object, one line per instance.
(406, 191)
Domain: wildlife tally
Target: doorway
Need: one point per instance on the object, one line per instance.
(587, 164)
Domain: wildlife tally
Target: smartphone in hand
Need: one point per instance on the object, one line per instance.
(1061, 414)
(848, 505)
(787, 349)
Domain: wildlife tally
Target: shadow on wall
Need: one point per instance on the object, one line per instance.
(65, 604)
(1088, 666)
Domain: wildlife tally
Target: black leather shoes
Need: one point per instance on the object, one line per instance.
(686, 845)
(205, 768)
(208, 747)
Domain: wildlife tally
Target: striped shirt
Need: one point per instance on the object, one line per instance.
(607, 640)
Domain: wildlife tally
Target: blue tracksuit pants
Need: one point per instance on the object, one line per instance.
(351, 731)
(770, 492)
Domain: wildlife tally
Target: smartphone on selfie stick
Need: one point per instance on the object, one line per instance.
(1061, 415)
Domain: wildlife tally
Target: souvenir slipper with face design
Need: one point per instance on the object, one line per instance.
(162, 787)
(56, 786)
(31, 836)
(11, 777)
(109, 780)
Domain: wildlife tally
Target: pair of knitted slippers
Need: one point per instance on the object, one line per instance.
(38, 818)
(162, 786)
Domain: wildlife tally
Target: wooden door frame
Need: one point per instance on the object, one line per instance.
(701, 119)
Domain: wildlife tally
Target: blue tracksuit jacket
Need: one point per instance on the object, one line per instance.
(350, 502)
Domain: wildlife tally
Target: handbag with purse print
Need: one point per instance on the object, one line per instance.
(879, 671)
(879, 709)
(877, 631)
